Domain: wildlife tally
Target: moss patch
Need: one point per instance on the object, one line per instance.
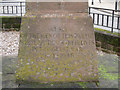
(103, 73)
(82, 84)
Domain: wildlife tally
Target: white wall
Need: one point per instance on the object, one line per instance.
(118, 5)
(109, 4)
(13, 0)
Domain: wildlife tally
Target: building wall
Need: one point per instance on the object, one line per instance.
(109, 4)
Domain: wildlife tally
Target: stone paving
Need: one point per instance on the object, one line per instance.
(108, 68)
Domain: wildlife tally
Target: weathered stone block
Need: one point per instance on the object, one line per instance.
(57, 47)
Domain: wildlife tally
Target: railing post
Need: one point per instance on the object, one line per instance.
(89, 10)
(116, 5)
(16, 10)
(3, 9)
(118, 24)
(112, 21)
(107, 20)
(92, 2)
(93, 18)
(102, 20)
(12, 9)
(7, 9)
(21, 8)
(97, 19)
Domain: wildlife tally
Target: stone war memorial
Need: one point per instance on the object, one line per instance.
(57, 44)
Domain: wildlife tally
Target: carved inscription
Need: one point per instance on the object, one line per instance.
(68, 45)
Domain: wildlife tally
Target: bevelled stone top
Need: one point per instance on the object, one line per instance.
(41, 7)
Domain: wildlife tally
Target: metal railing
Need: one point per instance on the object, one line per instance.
(12, 8)
(108, 18)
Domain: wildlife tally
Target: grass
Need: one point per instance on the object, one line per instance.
(10, 16)
(102, 30)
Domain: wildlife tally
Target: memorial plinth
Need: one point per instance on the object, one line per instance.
(57, 44)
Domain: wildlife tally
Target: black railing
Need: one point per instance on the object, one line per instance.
(109, 18)
(105, 17)
(12, 8)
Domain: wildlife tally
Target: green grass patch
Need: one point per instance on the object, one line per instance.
(10, 16)
(102, 30)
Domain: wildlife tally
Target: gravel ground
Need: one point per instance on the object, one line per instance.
(9, 42)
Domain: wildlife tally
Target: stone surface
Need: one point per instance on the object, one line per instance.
(43, 7)
(57, 46)
(9, 65)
